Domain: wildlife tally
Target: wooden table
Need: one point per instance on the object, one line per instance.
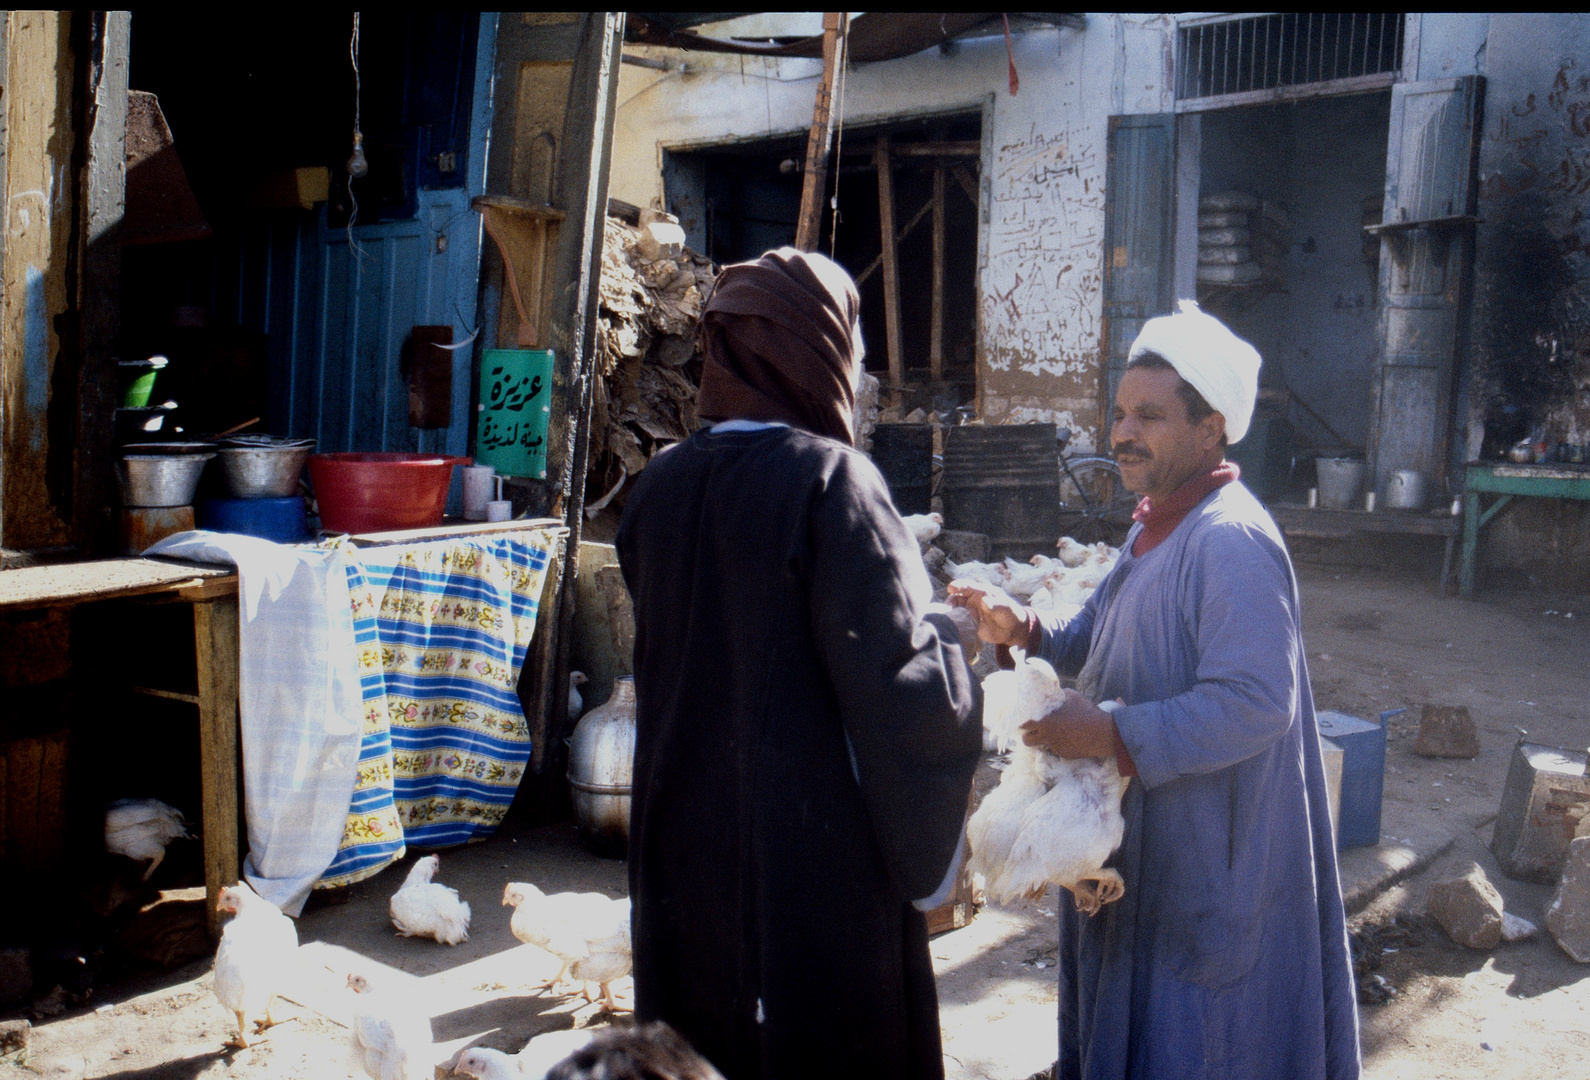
(1323, 523)
(1550, 481)
(213, 593)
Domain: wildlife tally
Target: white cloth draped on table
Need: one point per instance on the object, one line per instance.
(299, 702)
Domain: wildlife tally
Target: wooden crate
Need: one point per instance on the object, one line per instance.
(33, 802)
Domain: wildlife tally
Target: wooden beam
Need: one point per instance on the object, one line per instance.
(968, 185)
(936, 329)
(899, 238)
(815, 182)
(891, 268)
(216, 648)
(967, 148)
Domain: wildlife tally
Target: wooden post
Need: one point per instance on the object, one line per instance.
(891, 268)
(215, 642)
(936, 331)
(815, 181)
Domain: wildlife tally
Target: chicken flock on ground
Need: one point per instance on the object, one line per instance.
(426, 908)
(589, 932)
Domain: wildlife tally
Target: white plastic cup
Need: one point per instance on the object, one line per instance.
(479, 487)
(1369, 501)
(499, 510)
(1313, 498)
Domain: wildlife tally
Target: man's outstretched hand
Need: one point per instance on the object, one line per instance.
(1000, 620)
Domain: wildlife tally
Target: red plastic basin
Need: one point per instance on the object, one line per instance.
(379, 492)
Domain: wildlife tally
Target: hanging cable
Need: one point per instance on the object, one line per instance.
(839, 135)
(358, 166)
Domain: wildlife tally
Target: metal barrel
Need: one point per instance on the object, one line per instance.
(904, 455)
(1003, 480)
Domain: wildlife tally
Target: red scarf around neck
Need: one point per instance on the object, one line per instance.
(1160, 519)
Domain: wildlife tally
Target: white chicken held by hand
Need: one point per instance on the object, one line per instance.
(391, 1038)
(1051, 819)
(589, 932)
(255, 959)
(426, 908)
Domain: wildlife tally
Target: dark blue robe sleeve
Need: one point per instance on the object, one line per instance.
(911, 708)
(1240, 607)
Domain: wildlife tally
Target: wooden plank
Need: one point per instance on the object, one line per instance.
(1324, 522)
(26, 758)
(452, 529)
(891, 269)
(5, 806)
(215, 635)
(815, 180)
(962, 148)
(899, 238)
(64, 584)
(968, 185)
(936, 330)
(169, 695)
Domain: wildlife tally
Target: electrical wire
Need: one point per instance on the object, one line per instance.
(839, 136)
(358, 131)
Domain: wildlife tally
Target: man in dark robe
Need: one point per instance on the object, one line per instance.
(1227, 955)
(807, 725)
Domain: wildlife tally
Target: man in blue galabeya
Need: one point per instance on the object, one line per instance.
(1227, 955)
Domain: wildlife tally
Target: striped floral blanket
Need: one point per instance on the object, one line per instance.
(441, 630)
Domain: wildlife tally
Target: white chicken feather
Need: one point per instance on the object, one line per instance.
(141, 828)
(391, 1037)
(1051, 819)
(255, 958)
(426, 908)
(577, 679)
(589, 932)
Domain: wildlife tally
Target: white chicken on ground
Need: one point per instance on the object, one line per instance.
(589, 932)
(255, 959)
(577, 679)
(427, 908)
(391, 1036)
(532, 1063)
(1051, 820)
(141, 828)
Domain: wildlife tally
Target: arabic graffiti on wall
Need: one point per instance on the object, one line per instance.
(1042, 287)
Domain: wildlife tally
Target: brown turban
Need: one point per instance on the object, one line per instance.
(780, 341)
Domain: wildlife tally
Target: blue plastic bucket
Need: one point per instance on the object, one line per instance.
(282, 520)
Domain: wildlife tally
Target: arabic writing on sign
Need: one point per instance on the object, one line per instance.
(495, 434)
(511, 433)
(511, 392)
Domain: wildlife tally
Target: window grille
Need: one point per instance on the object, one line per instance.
(1257, 57)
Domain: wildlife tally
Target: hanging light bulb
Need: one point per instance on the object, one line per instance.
(358, 166)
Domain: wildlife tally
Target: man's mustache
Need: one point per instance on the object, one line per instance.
(1132, 449)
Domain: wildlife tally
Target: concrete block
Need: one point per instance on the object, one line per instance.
(962, 546)
(1468, 908)
(1545, 804)
(1568, 917)
(16, 976)
(1447, 731)
(660, 240)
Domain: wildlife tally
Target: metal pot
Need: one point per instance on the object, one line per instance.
(160, 479)
(264, 472)
(1405, 490)
(601, 770)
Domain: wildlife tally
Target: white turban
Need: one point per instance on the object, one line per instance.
(1219, 365)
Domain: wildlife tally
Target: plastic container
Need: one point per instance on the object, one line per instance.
(380, 492)
(138, 380)
(1340, 481)
(1363, 744)
(282, 520)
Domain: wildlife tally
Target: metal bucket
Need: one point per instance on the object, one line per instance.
(602, 769)
(904, 455)
(1405, 490)
(264, 472)
(1340, 481)
(160, 479)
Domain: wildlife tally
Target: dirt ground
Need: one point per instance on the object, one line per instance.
(1376, 640)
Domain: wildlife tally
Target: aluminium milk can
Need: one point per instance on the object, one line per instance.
(601, 767)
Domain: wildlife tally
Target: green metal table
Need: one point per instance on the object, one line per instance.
(1551, 481)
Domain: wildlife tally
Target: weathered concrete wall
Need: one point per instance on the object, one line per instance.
(1040, 268)
(1530, 323)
